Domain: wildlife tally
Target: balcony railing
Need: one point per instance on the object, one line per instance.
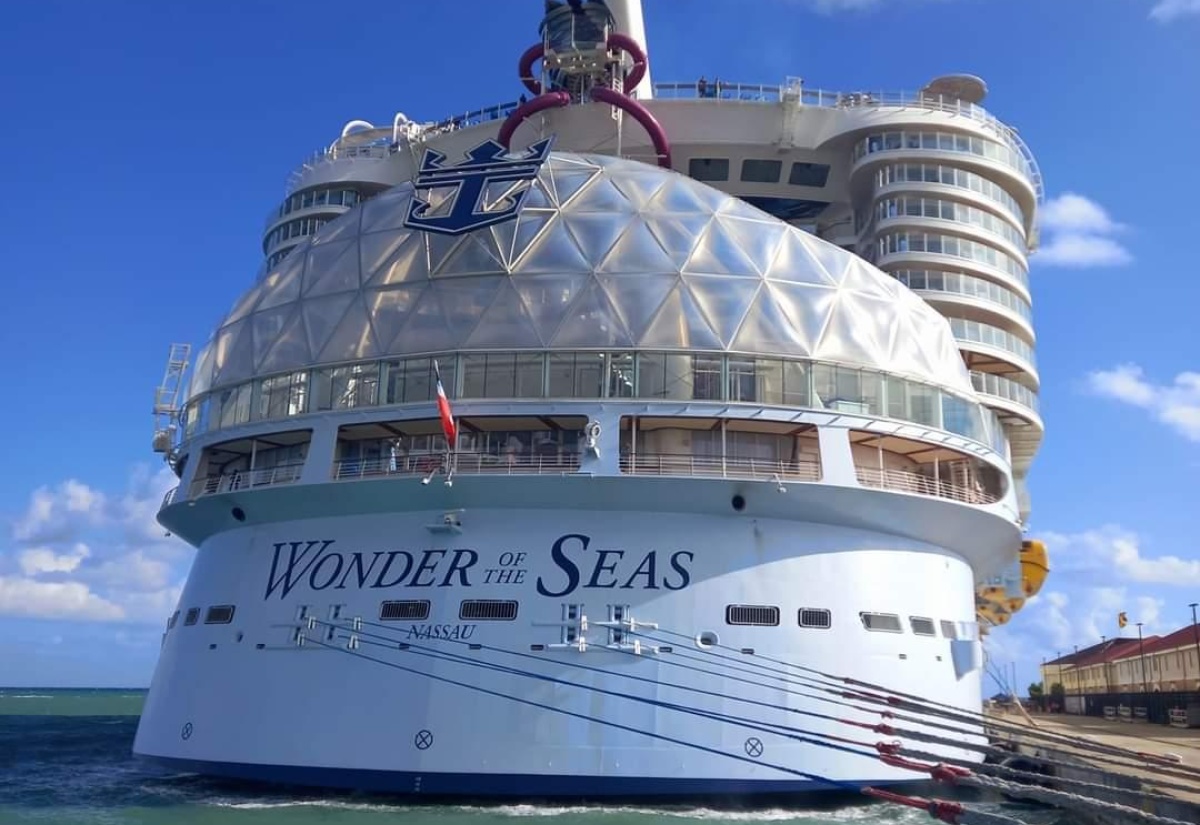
(667, 464)
(245, 480)
(906, 482)
(463, 463)
(1005, 388)
(748, 92)
(756, 92)
(651, 464)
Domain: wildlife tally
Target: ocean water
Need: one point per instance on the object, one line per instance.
(66, 759)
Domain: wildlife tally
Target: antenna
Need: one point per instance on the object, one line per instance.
(166, 402)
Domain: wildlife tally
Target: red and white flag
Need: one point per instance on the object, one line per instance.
(448, 426)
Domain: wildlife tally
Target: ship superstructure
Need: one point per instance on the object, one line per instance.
(706, 399)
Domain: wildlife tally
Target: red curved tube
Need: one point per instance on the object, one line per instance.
(616, 40)
(642, 115)
(549, 100)
(525, 67)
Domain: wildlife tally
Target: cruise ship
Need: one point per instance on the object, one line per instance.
(581, 445)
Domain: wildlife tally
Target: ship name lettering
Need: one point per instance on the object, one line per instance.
(461, 632)
(314, 564)
(607, 571)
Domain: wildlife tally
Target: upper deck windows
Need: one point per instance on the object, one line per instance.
(669, 376)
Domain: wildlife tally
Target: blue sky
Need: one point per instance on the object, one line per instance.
(146, 142)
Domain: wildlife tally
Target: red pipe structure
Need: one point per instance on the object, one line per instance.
(525, 68)
(638, 71)
(550, 100)
(641, 114)
(622, 100)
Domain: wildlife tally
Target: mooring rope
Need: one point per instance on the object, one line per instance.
(1011, 781)
(947, 811)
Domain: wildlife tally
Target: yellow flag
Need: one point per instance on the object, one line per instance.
(1122, 620)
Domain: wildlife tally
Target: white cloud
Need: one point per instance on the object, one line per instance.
(1176, 404)
(1112, 553)
(1079, 234)
(29, 598)
(1165, 11)
(79, 553)
(37, 560)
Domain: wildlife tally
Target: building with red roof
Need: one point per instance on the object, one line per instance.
(1130, 665)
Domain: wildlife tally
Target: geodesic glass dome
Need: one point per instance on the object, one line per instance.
(605, 253)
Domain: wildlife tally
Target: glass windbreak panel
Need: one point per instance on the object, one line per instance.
(744, 379)
(761, 171)
(576, 375)
(412, 380)
(897, 397)
(620, 375)
(923, 404)
(235, 405)
(528, 376)
(962, 417)
(678, 377)
(282, 396)
(709, 169)
(707, 372)
(502, 375)
(651, 375)
(474, 375)
(797, 384)
(356, 386)
(419, 382)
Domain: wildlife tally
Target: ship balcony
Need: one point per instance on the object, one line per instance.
(471, 463)
(695, 447)
(244, 480)
(755, 469)
(908, 482)
(1008, 396)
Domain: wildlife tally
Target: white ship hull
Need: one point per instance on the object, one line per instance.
(347, 707)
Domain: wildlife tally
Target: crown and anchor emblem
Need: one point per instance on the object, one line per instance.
(487, 164)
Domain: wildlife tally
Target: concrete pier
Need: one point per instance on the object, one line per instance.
(1158, 740)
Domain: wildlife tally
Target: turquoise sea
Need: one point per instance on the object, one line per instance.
(66, 759)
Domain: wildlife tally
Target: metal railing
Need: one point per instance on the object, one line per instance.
(463, 463)
(743, 92)
(759, 93)
(906, 482)
(668, 464)
(244, 480)
(653, 464)
(1005, 388)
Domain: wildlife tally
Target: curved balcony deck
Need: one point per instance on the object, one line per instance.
(640, 464)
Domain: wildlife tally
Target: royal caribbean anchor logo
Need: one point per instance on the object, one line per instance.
(472, 185)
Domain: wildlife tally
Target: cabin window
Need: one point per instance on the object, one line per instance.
(709, 169)
(487, 610)
(413, 610)
(219, 614)
(948, 629)
(752, 614)
(816, 617)
(808, 174)
(761, 171)
(922, 626)
(193, 615)
(881, 622)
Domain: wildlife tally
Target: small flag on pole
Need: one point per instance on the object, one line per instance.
(448, 425)
(1122, 620)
